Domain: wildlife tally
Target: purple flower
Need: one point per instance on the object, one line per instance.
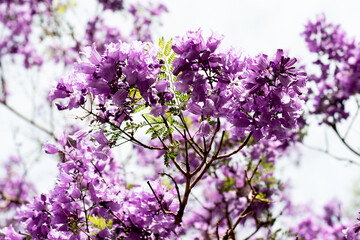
(50, 148)
(204, 129)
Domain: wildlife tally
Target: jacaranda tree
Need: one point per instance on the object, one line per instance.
(206, 125)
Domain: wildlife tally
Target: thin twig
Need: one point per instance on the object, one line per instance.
(333, 126)
(238, 149)
(353, 120)
(176, 186)
(245, 213)
(119, 219)
(131, 138)
(158, 200)
(162, 142)
(207, 166)
(197, 148)
(35, 124)
(332, 155)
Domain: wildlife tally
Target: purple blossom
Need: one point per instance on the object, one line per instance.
(338, 60)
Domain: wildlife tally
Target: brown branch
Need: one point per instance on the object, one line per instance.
(207, 166)
(28, 120)
(238, 149)
(333, 126)
(212, 159)
(11, 199)
(131, 138)
(165, 211)
(176, 186)
(253, 194)
(194, 145)
(168, 128)
(326, 151)
(119, 219)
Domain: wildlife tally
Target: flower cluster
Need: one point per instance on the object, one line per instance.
(258, 94)
(143, 18)
(17, 18)
(338, 60)
(190, 90)
(111, 76)
(90, 198)
(352, 232)
(113, 5)
(15, 189)
(329, 225)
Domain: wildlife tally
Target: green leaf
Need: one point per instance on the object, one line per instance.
(100, 222)
(161, 42)
(139, 108)
(172, 58)
(228, 183)
(168, 48)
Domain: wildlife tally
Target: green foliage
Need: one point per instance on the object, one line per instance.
(156, 131)
(162, 42)
(171, 153)
(139, 108)
(100, 223)
(61, 7)
(229, 183)
(168, 48)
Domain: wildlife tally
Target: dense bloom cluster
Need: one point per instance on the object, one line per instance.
(338, 60)
(352, 232)
(226, 195)
(91, 198)
(113, 5)
(111, 77)
(17, 18)
(330, 225)
(15, 189)
(258, 94)
(143, 19)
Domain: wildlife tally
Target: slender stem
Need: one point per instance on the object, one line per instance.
(168, 128)
(162, 142)
(195, 146)
(207, 166)
(87, 234)
(86, 216)
(159, 201)
(333, 126)
(238, 149)
(228, 220)
(217, 129)
(131, 138)
(217, 230)
(206, 154)
(119, 219)
(246, 211)
(38, 126)
(176, 186)
(326, 151)
(353, 120)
